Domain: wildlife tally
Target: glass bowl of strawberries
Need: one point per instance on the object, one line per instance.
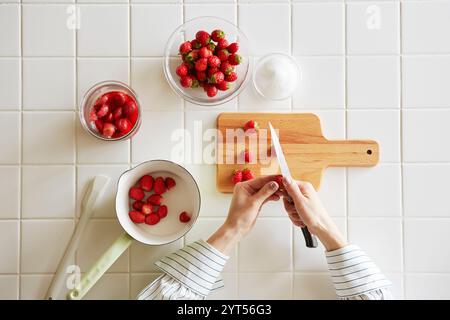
(207, 61)
(110, 111)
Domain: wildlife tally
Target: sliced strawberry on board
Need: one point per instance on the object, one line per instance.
(247, 174)
(136, 193)
(146, 182)
(136, 216)
(237, 176)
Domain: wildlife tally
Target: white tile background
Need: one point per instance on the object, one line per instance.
(390, 83)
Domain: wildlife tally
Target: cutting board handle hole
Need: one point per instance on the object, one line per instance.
(369, 151)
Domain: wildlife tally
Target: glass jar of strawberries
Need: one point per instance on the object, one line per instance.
(110, 111)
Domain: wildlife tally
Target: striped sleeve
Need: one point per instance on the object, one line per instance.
(355, 276)
(190, 273)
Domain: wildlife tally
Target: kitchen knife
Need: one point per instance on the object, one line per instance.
(310, 240)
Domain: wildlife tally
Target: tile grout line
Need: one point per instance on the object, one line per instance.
(291, 48)
(346, 118)
(19, 293)
(238, 291)
(77, 108)
(130, 147)
(401, 147)
(183, 20)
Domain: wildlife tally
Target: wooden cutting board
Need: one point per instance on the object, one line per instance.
(308, 153)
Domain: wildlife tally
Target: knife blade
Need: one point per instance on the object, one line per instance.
(310, 240)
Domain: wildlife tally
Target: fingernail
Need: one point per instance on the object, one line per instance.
(287, 181)
(273, 185)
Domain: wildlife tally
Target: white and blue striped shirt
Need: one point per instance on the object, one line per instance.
(193, 272)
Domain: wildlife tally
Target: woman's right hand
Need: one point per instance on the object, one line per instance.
(306, 209)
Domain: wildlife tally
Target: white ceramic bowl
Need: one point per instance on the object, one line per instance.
(185, 196)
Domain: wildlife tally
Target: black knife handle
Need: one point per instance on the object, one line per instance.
(310, 240)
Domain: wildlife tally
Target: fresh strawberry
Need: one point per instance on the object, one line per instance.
(124, 125)
(136, 216)
(136, 193)
(217, 77)
(226, 68)
(211, 46)
(160, 186)
(185, 47)
(222, 44)
(233, 48)
(147, 208)
(184, 217)
(182, 70)
(201, 64)
(279, 180)
(214, 61)
(231, 77)
(162, 211)
(205, 52)
(195, 44)
(203, 37)
(152, 219)
(191, 56)
(104, 99)
(93, 115)
(130, 108)
(170, 183)
(146, 182)
(251, 125)
(217, 34)
(103, 111)
(234, 59)
(248, 156)
(201, 75)
(108, 118)
(155, 199)
(137, 205)
(222, 54)
(108, 130)
(99, 125)
(211, 91)
(186, 81)
(247, 174)
(117, 114)
(211, 71)
(237, 176)
(223, 86)
(117, 99)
